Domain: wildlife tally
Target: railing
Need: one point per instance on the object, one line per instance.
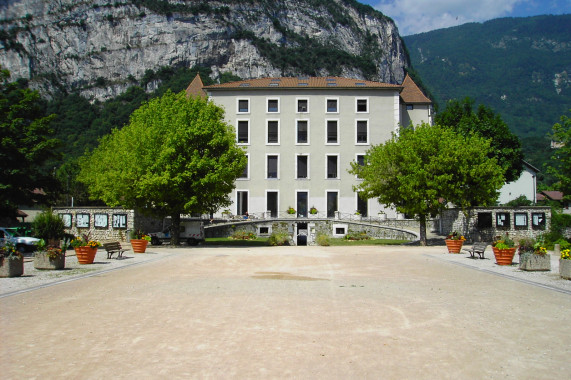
(256, 216)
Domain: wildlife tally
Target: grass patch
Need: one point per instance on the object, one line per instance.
(344, 242)
(209, 242)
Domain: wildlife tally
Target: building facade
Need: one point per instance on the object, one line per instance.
(302, 134)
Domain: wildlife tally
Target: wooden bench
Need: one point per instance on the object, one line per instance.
(478, 248)
(114, 247)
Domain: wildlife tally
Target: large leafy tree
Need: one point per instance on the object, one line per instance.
(423, 169)
(176, 155)
(561, 168)
(26, 144)
(505, 146)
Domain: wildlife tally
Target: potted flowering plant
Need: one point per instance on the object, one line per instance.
(454, 242)
(11, 261)
(139, 241)
(504, 250)
(85, 248)
(533, 255)
(49, 257)
(565, 264)
(313, 210)
(290, 210)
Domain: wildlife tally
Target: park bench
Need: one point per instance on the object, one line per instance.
(114, 247)
(478, 248)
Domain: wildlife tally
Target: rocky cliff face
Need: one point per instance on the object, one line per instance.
(100, 48)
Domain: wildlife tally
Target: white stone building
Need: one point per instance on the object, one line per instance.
(525, 185)
(301, 134)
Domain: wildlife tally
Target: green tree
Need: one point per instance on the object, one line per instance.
(25, 146)
(175, 156)
(424, 168)
(505, 146)
(561, 168)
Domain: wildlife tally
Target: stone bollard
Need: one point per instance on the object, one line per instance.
(557, 249)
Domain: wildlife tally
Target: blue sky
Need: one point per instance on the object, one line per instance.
(417, 16)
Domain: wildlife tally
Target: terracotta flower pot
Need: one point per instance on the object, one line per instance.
(85, 255)
(454, 246)
(139, 245)
(504, 256)
(12, 267)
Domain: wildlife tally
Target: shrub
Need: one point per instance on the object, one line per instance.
(278, 238)
(243, 235)
(48, 226)
(357, 236)
(323, 240)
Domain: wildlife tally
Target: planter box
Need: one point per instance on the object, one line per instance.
(529, 261)
(565, 269)
(12, 267)
(42, 261)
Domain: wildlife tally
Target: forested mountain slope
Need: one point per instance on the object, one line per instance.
(520, 67)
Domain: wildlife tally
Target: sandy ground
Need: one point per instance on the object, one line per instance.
(288, 312)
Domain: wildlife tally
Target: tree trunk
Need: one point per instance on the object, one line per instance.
(175, 237)
(422, 230)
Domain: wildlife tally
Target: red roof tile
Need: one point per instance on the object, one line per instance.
(303, 82)
(195, 88)
(411, 93)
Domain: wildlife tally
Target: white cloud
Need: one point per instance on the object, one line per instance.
(417, 16)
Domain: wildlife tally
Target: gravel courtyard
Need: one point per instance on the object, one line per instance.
(287, 312)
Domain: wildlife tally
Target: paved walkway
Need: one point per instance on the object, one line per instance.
(289, 312)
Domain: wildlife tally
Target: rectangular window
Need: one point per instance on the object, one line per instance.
(332, 132)
(272, 203)
(273, 132)
(302, 105)
(362, 105)
(502, 220)
(331, 105)
(243, 131)
(243, 105)
(241, 202)
(331, 203)
(272, 167)
(332, 167)
(538, 221)
(520, 221)
(484, 220)
(244, 174)
(362, 132)
(361, 159)
(302, 201)
(362, 206)
(302, 167)
(409, 107)
(302, 132)
(273, 105)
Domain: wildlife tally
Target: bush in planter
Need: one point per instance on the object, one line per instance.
(565, 264)
(533, 255)
(11, 261)
(50, 227)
